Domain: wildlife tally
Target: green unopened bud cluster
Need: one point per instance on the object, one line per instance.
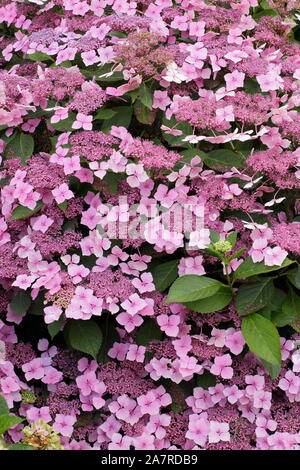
(28, 396)
(222, 246)
(42, 437)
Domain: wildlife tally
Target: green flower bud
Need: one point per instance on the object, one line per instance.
(28, 396)
(41, 436)
(222, 246)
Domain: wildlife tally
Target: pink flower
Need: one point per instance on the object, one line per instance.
(89, 57)
(235, 342)
(128, 321)
(136, 174)
(119, 442)
(234, 36)
(41, 223)
(91, 218)
(221, 366)
(118, 351)
(198, 430)
(136, 353)
(9, 385)
(83, 121)
(52, 376)
(134, 304)
(275, 256)
(65, 55)
(110, 426)
(218, 338)
(233, 394)
(234, 80)
(144, 442)
(71, 164)
(23, 281)
(52, 313)
(191, 266)
(144, 284)
(87, 383)
(197, 28)
(183, 345)
(151, 402)
(189, 366)
(169, 324)
(225, 114)
(218, 432)
(59, 115)
(161, 99)
(156, 425)
(35, 414)
(80, 8)
(34, 369)
(290, 383)
(180, 22)
(62, 193)
(269, 81)
(262, 399)
(255, 382)
(158, 368)
(64, 424)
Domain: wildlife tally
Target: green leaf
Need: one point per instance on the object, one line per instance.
(276, 299)
(268, 12)
(145, 95)
(248, 268)
(143, 114)
(212, 304)
(85, 336)
(274, 370)
(232, 238)
(8, 421)
(262, 338)
(21, 145)
(37, 306)
(122, 117)
(149, 331)
(112, 180)
(117, 34)
(20, 303)
(254, 296)
(105, 113)
(294, 276)
(191, 287)
(110, 336)
(206, 380)
(63, 206)
(55, 327)
(251, 86)
(39, 56)
(223, 158)
(22, 212)
(20, 446)
(164, 274)
(26, 146)
(69, 225)
(290, 310)
(214, 236)
(3, 406)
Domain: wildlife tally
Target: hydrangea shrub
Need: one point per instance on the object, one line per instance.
(150, 224)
